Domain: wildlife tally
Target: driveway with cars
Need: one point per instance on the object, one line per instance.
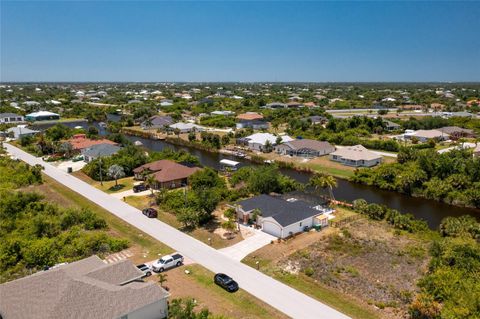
(280, 296)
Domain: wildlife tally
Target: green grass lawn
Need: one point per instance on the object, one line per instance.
(240, 298)
(108, 186)
(337, 172)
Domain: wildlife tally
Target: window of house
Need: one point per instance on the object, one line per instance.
(300, 224)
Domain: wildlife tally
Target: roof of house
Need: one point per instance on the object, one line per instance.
(282, 211)
(310, 104)
(2, 115)
(167, 170)
(88, 288)
(356, 153)
(429, 133)
(186, 126)
(42, 113)
(80, 142)
(17, 130)
(311, 144)
(262, 138)
(250, 116)
(391, 124)
(455, 129)
(159, 120)
(101, 150)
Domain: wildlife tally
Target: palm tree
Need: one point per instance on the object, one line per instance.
(322, 181)
(116, 171)
(150, 181)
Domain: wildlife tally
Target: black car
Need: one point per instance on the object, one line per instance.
(140, 188)
(150, 212)
(226, 282)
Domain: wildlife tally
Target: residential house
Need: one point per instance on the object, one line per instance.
(166, 102)
(357, 156)
(259, 141)
(20, 131)
(251, 120)
(186, 127)
(167, 173)
(42, 116)
(294, 105)
(157, 122)
(10, 118)
(278, 217)
(305, 148)
(80, 142)
(310, 104)
(276, 105)
(391, 126)
(224, 113)
(426, 135)
(99, 150)
(456, 132)
(88, 288)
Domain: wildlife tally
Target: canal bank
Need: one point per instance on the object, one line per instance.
(431, 211)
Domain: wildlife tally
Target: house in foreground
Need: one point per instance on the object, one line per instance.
(157, 122)
(80, 142)
(21, 131)
(167, 173)
(10, 118)
(305, 148)
(278, 217)
(456, 132)
(427, 135)
(87, 288)
(357, 156)
(186, 127)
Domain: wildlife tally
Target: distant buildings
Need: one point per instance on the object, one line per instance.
(42, 116)
(476, 151)
(224, 113)
(21, 131)
(88, 288)
(157, 122)
(186, 127)
(357, 156)
(251, 120)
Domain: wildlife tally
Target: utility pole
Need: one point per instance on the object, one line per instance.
(100, 160)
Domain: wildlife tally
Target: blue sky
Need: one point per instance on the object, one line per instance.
(240, 41)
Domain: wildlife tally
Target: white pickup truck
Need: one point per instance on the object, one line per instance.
(167, 261)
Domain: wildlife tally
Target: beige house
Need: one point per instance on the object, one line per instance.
(87, 288)
(357, 156)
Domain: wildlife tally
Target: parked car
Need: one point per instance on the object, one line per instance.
(146, 269)
(140, 188)
(226, 282)
(167, 262)
(150, 212)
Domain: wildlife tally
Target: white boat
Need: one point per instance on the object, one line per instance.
(138, 143)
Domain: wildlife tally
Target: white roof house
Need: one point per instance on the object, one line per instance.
(225, 113)
(187, 127)
(356, 156)
(258, 141)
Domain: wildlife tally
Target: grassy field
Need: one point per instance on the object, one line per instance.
(108, 186)
(201, 233)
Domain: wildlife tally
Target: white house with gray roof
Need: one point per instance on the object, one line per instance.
(279, 217)
(11, 118)
(357, 156)
(88, 288)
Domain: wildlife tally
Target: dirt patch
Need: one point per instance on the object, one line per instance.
(365, 260)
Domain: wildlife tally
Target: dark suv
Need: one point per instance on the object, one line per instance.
(226, 282)
(140, 188)
(150, 212)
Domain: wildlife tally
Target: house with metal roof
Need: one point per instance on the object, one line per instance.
(88, 288)
(42, 116)
(357, 156)
(305, 148)
(279, 217)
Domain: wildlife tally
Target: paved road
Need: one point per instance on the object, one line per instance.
(280, 296)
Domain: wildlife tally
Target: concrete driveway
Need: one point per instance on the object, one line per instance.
(280, 296)
(252, 242)
(130, 192)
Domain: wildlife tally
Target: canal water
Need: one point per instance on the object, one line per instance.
(431, 211)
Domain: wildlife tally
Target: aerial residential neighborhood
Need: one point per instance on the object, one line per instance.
(207, 160)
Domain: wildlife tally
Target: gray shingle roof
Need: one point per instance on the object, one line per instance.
(101, 150)
(284, 212)
(88, 288)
